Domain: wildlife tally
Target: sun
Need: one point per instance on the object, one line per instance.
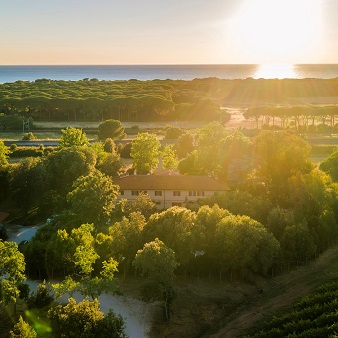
(278, 30)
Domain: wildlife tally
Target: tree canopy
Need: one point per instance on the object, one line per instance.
(145, 152)
(111, 129)
(72, 137)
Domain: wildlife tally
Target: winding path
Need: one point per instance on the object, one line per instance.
(136, 314)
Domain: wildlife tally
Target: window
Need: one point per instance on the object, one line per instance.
(176, 193)
(122, 192)
(158, 202)
(200, 193)
(135, 192)
(144, 192)
(158, 193)
(176, 204)
(192, 193)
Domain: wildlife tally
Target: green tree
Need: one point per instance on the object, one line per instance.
(330, 165)
(92, 198)
(184, 145)
(297, 244)
(209, 144)
(78, 251)
(126, 237)
(156, 262)
(145, 152)
(172, 132)
(22, 330)
(142, 204)
(67, 164)
(111, 129)
(72, 137)
(174, 227)
(169, 158)
(244, 244)
(12, 268)
(4, 153)
(109, 145)
(29, 182)
(85, 320)
(279, 156)
(108, 162)
(278, 220)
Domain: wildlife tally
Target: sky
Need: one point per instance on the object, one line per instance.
(47, 32)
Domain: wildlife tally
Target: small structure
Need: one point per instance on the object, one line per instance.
(169, 190)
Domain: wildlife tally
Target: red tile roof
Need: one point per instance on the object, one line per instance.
(170, 182)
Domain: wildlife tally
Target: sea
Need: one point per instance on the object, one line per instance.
(10, 74)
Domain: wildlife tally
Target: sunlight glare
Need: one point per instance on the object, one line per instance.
(278, 31)
(275, 71)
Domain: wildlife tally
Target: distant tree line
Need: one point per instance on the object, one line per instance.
(301, 118)
(133, 100)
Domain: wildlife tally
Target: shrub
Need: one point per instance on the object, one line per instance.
(41, 297)
(125, 150)
(173, 132)
(29, 136)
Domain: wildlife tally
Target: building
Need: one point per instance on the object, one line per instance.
(169, 190)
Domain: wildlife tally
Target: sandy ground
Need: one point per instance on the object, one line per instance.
(136, 314)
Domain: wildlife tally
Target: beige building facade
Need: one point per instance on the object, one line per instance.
(169, 190)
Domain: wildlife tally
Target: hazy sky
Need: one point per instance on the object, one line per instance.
(168, 32)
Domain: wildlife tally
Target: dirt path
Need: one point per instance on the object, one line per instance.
(281, 293)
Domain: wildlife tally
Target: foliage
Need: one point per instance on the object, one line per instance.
(29, 181)
(278, 220)
(241, 203)
(108, 162)
(330, 166)
(173, 132)
(67, 164)
(174, 227)
(170, 100)
(72, 137)
(78, 251)
(126, 237)
(243, 244)
(145, 152)
(109, 145)
(12, 268)
(4, 154)
(184, 145)
(142, 204)
(111, 129)
(297, 244)
(92, 198)
(85, 319)
(156, 262)
(10, 122)
(22, 330)
(279, 156)
(124, 150)
(29, 136)
(41, 298)
(169, 158)
(30, 152)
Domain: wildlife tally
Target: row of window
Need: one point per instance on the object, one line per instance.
(159, 193)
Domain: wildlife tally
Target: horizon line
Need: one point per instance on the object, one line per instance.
(169, 64)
